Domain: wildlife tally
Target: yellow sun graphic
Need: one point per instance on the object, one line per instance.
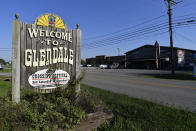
(51, 20)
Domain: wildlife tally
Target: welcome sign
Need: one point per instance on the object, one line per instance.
(46, 54)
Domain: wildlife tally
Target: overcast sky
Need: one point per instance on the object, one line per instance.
(103, 22)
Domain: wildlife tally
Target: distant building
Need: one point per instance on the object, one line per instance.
(144, 57)
(100, 60)
(116, 59)
(103, 59)
(91, 61)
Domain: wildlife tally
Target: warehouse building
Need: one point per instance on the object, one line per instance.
(144, 57)
(116, 59)
(103, 59)
(91, 61)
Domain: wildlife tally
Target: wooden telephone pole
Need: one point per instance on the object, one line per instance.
(172, 62)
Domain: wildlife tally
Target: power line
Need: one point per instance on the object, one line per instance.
(145, 22)
(186, 38)
(186, 15)
(140, 38)
(137, 25)
(151, 20)
(142, 28)
(190, 4)
(136, 37)
(126, 35)
(114, 41)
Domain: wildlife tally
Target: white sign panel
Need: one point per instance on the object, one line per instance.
(180, 56)
(49, 79)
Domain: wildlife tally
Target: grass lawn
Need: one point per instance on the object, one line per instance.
(6, 70)
(5, 86)
(135, 114)
(185, 76)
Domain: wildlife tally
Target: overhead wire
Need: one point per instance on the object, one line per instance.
(184, 18)
(113, 39)
(190, 4)
(138, 34)
(124, 35)
(127, 28)
(112, 43)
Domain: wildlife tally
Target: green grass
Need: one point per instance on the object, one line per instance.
(185, 76)
(6, 70)
(5, 86)
(131, 113)
(135, 114)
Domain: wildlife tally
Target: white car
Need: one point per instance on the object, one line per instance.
(114, 66)
(1, 68)
(103, 66)
(88, 65)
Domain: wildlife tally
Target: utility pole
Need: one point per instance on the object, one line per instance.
(172, 62)
(118, 51)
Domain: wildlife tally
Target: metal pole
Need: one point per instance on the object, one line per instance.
(118, 51)
(171, 39)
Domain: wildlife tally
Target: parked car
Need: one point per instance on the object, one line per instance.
(114, 66)
(88, 65)
(1, 68)
(103, 66)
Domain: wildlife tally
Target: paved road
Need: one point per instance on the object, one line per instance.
(178, 93)
(5, 74)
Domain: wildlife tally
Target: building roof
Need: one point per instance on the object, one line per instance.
(117, 56)
(148, 45)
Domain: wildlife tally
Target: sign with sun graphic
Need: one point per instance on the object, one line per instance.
(46, 55)
(50, 20)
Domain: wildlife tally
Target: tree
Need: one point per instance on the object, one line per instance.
(2, 61)
(93, 62)
(82, 61)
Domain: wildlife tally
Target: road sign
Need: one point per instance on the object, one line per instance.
(46, 54)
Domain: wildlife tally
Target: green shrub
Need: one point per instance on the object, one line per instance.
(41, 111)
(89, 102)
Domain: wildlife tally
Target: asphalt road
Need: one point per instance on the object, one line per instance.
(5, 74)
(178, 93)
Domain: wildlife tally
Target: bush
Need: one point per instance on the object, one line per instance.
(41, 111)
(89, 102)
